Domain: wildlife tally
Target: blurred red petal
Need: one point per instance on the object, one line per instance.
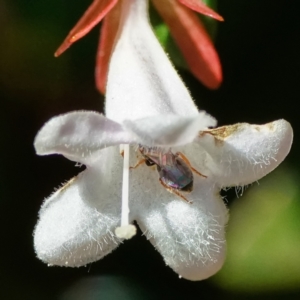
(94, 14)
(106, 44)
(200, 7)
(193, 41)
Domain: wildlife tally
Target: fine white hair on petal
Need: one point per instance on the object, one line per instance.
(141, 80)
(190, 237)
(79, 135)
(76, 224)
(242, 153)
(169, 130)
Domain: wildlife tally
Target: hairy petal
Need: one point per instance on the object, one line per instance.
(76, 224)
(94, 14)
(242, 153)
(193, 41)
(200, 7)
(190, 237)
(141, 80)
(169, 130)
(79, 136)
(109, 31)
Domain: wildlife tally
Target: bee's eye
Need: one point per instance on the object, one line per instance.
(149, 162)
(178, 162)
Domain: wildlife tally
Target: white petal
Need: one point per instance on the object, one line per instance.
(169, 130)
(190, 237)
(77, 223)
(79, 136)
(240, 154)
(141, 80)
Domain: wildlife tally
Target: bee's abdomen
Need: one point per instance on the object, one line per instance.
(178, 176)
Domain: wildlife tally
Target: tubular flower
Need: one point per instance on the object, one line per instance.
(148, 107)
(185, 27)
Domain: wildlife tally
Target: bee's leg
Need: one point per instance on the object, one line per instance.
(184, 158)
(141, 161)
(174, 191)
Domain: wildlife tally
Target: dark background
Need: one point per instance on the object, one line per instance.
(259, 48)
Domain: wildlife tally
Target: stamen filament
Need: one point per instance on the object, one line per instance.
(126, 231)
(125, 187)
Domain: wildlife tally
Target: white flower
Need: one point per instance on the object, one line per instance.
(148, 104)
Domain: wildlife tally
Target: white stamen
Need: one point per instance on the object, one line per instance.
(126, 231)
